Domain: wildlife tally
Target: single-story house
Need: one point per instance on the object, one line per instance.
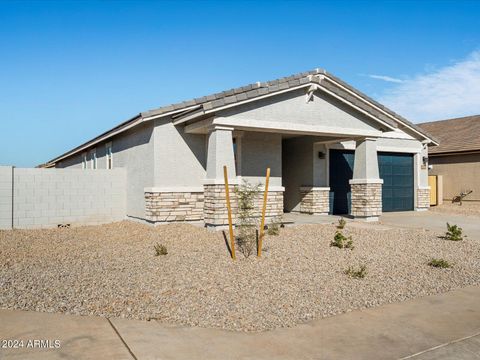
(330, 148)
(457, 158)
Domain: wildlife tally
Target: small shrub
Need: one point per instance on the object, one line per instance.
(274, 227)
(341, 241)
(454, 233)
(160, 249)
(440, 263)
(341, 223)
(357, 274)
(247, 219)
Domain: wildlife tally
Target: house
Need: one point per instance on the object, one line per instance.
(457, 158)
(331, 149)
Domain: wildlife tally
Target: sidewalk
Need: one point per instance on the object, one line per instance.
(444, 326)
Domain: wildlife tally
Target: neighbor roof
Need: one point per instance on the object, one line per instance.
(455, 135)
(236, 96)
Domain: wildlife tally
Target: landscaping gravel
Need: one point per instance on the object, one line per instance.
(111, 270)
(466, 209)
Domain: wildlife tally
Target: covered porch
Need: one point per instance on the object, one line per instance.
(300, 170)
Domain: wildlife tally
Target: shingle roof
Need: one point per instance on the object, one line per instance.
(455, 135)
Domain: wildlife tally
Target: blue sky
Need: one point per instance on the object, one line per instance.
(70, 70)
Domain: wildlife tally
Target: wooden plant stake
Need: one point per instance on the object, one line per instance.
(229, 208)
(264, 208)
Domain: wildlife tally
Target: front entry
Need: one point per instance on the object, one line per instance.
(341, 171)
(396, 170)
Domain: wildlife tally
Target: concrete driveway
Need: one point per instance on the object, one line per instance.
(434, 221)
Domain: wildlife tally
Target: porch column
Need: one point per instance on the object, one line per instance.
(366, 185)
(219, 153)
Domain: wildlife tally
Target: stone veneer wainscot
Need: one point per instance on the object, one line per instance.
(366, 200)
(423, 198)
(164, 205)
(215, 206)
(315, 200)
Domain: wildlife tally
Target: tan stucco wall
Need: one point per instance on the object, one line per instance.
(460, 173)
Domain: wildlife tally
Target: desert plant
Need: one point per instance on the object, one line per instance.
(247, 221)
(454, 233)
(356, 274)
(160, 249)
(440, 263)
(341, 241)
(274, 227)
(341, 223)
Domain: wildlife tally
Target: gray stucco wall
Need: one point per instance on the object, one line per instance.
(292, 107)
(180, 158)
(258, 151)
(132, 150)
(297, 156)
(49, 197)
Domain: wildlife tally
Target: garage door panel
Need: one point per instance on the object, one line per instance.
(396, 170)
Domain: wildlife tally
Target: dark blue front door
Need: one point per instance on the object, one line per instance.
(341, 171)
(396, 170)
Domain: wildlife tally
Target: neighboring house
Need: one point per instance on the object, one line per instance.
(330, 148)
(457, 158)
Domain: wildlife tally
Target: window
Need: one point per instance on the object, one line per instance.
(109, 155)
(93, 159)
(84, 160)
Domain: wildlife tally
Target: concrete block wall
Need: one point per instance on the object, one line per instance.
(5, 197)
(49, 197)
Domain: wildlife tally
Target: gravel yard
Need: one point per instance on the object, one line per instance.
(111, 270)
(466, 209)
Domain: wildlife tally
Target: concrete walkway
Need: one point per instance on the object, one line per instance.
(444, 326)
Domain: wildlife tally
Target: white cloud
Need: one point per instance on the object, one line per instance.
(385, 78)
(448, 92)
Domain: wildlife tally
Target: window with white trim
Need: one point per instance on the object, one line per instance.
(109, 155)
(84, 160)
(93, 159)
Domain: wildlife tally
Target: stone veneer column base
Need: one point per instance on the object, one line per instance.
(423, 199)
(173, 206)
(215, 205)
(315, 200)
(366, 199)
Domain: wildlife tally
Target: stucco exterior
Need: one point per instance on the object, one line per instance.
(460, 173)
(134, 151)
(172, 160)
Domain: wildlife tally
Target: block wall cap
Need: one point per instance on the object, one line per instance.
(187, 189)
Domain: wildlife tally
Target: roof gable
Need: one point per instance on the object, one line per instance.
(299, 107)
